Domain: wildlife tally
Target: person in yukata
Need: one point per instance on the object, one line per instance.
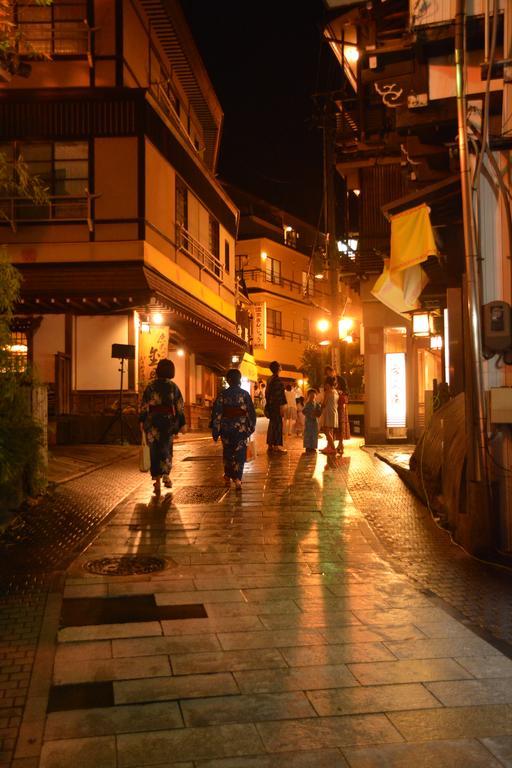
(342, 432)
(274, 409)
(290, 416)
(330, 413)
(311, 412)
(161, 417)
(234, 421)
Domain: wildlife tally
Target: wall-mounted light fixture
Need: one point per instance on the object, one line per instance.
(145, 326)
(436, 342)
(264, 255)
(422, 323)
(180, 352)
(323, 325)
(157, 318)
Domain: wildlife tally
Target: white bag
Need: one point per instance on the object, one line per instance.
(144, 457)
(251, 448)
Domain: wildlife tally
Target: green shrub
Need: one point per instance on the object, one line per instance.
(20, 435)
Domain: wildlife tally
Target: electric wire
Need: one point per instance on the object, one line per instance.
(435, 520)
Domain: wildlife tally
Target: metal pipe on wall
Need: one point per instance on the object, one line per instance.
(475, 404)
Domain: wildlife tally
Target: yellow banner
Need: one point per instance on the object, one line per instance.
(412, 238)
(153, 346)
(400, 291)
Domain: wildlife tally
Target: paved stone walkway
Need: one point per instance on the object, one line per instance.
(278, 634)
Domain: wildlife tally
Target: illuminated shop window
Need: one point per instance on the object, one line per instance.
(18, 349)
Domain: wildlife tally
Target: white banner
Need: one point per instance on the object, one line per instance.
(260, 325)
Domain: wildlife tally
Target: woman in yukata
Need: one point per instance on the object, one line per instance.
(161, 417)
(234, 421)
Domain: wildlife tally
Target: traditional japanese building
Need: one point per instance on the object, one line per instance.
(281, 261)
(399, 139)
(136, 243)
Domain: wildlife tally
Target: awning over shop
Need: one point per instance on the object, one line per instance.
(113, 287)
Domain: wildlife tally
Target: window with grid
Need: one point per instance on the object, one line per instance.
(18, 349)
(214, 242)
(274, 322)
(227, 259)
(181, 203)
(63, 166)
(308, 283)
(273, 271)
(57, 29)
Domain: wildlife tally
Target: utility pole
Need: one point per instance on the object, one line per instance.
(476, 438)
(329, 139)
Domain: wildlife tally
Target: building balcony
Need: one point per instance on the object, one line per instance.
(61, 208)
(187, 243)
(261, 278)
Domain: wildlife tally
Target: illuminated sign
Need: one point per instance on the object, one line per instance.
(395, 390)
(260, 325)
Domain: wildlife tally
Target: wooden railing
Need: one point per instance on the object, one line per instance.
(198, 253)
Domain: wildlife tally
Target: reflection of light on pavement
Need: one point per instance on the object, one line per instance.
(318, 474)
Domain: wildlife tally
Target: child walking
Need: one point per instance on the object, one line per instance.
(330, 413)
(311, 412)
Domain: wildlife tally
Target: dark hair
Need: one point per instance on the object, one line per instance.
(233, 377)
(274, 367)
(331, 381)
(312, 390)
(342, 384)
(165, 369)
(288, 387)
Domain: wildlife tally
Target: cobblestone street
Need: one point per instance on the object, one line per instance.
(318, 618)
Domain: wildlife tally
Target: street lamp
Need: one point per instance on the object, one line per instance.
(323, 325)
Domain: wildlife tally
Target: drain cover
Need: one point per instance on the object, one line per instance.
(199, 495)
(129, 565)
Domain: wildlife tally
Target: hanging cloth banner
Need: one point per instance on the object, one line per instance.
(412, 238)
(400, 291)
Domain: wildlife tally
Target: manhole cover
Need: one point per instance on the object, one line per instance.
(130, 565)
(199, 495)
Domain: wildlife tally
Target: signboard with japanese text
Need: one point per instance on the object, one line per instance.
(153, 346)
(260, 325)
(396, 411)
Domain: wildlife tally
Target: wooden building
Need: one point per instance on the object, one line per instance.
(397, 129)
(136, 244)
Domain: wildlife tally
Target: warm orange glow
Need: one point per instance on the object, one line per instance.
(180, 352)
(345, 324)
(264, 255)
(157, 318)
(145, 327)
(351, 53)
(323, 325)
(324, 343)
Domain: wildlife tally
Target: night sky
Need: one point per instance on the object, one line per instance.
(266, 59)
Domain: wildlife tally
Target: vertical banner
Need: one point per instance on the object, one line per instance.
(153, 346)
(260, 325)
(396, 413)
